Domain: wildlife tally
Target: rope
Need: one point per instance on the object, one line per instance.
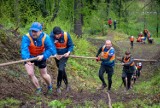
(109, 100)
(73, 56)
(19, 61)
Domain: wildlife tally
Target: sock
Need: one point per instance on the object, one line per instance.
(50, 87)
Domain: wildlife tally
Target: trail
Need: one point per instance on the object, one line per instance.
(14, 82)
(140, 51)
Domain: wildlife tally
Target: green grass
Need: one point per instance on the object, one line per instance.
(10, 102)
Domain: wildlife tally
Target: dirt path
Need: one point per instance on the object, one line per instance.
(11, 86)
(140, 51)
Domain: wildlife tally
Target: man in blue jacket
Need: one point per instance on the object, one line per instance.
(64, 47)
(108, 62)
(37, 44)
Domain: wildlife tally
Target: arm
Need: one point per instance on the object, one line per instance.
(70, 44)
(25, 54)
(99, 51)
(49, 48)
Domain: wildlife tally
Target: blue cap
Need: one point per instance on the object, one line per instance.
(36, 26)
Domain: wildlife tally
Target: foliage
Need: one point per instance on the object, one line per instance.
(118, 105)
(59, 104)
(9, 102)
(77, 68)
(55, 104)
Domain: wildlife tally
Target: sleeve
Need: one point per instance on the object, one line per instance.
(25, 54)
(52, 37)
(49, 48)
(70, 44)
(99, 51)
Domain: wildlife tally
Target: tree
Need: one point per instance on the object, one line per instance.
(78, 18)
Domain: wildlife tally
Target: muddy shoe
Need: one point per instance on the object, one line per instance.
(58, 90)
(102, 87)
(38, 91)
(50, 91)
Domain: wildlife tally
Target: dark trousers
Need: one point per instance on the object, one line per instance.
(138, 73)
(115, 27)
(127, 75)
(61, 71)
(109, 70)
(131, 44)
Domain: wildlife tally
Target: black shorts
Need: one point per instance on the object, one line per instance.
(41, 64)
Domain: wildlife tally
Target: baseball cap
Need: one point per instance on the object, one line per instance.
(36, 26)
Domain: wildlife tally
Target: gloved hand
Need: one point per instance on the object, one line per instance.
(98, 59)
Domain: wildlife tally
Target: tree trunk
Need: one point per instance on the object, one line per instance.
(16, 12)
(78, 18)
(56, 9)
(108, 8)
(157, 22)
(119, 12)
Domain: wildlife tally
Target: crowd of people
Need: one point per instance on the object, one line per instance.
(142, 37)
(37, 43)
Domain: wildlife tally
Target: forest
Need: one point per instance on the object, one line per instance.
(87, 23)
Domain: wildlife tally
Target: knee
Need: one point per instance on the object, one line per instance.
(31, 74)
(44, 75)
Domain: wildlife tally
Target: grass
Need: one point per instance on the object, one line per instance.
(10, 102)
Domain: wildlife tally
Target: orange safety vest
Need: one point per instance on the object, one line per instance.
(126, 61)
(64, 44)
(131, 39)
(106, 54)
(35, 50)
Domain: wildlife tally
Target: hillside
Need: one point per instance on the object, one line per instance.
(16, 89)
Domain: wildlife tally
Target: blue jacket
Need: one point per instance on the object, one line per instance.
(49, 47)
(107, 61)
(70, 45)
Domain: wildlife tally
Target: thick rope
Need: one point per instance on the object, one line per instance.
(73, 56)
(109, 100)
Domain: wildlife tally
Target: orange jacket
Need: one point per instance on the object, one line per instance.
(35, 50)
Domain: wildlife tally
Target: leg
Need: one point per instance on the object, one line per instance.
(124, 78)
(30, 71)
(62, 65)
(65, 79)
(46, 76)
(59, 77)
(110, 73)
(64, 74)
(101, 72)
(138, 73)
(129, 76)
